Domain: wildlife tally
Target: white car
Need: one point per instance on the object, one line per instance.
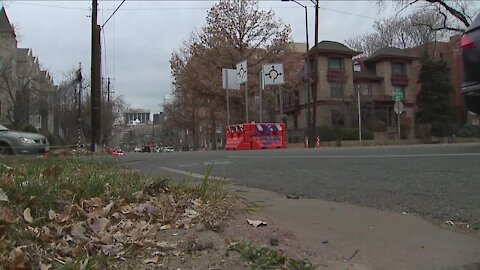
(137, 149)
(169, 149)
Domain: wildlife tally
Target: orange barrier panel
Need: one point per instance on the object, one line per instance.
(235, 138)
(255, 136)
(269, 136)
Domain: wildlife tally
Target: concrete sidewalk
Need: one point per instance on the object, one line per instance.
(341, 236)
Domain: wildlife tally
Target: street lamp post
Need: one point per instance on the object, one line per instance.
(307, 74)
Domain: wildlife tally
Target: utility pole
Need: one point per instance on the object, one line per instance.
(315, 75)
(108, 90)
(79, 103)
(95, 82)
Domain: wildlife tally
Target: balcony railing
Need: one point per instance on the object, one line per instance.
(292, 106)
(336, 75)
(399, 79)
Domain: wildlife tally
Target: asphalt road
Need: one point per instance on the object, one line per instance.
(434, 181)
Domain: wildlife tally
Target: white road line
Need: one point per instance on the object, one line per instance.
(187, 165)
(362, 156)
(192, 174)
(217, 163)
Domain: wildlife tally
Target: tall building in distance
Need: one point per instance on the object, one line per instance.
(137, 116)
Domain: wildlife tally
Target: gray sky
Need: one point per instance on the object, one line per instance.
(139, 39)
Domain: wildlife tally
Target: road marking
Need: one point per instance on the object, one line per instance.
(362, 156)
(217, 163)
(187, 165)
(192, 174)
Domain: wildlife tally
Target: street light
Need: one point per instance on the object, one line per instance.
(307, 74)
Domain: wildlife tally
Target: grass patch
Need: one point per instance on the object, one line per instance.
(50, 184)
(75, 189)
(265, 258)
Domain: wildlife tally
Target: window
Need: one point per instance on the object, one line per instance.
(335, 63)
(337, 118)
(357, 67)
(336, 90)
(366, 89)
(295, 121)
(398, 68)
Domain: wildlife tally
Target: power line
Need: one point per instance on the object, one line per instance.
(104, 45)
(113, 13)
(47, 5)
(183, 8)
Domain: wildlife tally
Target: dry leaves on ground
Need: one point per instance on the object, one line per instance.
(117, 229)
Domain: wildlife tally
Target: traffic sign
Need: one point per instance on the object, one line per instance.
(398, 107)
(229, 79)
(273, 74)
(242, 72)
(397, 95)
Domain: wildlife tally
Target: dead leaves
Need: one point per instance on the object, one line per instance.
(6, 216)
(17, 259)
(27, 216)
(117, 229)
(3, 196)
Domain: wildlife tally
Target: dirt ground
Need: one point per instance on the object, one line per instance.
(330, 235)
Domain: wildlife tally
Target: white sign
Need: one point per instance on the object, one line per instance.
(229, 79)
(398, 107)
(242, 72)
(273, 74)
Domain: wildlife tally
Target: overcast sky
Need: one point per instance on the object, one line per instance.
(139, 40)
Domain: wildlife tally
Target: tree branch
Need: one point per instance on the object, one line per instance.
(459, 15)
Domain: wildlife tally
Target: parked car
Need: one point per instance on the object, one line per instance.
(118, 152)
(161, 149)
(137, 149)
(146, 148)
(169, 149)
(470, 43)
(22, 143)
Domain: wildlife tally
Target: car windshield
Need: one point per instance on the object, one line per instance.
(3, 128)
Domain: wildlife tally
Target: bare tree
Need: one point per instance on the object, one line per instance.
(456, 15)
(235, 31)
(400, 32)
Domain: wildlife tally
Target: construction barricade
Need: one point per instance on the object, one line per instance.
(254, 136)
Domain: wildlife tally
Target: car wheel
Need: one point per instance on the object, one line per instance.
(5, 150)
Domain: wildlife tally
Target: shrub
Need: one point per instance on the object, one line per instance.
(346, 134)
(469, 131)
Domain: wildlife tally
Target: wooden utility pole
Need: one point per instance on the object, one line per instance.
(315, 75)
(95, 83)
(79, 103)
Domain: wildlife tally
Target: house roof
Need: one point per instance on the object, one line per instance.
(5, 25)
(333, 46)
(390, 52)
(366, 75)
(22, 54)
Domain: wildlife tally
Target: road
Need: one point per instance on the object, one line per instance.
(434, 181)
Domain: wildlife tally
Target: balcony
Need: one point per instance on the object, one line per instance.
(399, 79)
(336, 75)
(376, 98)
(292, 106)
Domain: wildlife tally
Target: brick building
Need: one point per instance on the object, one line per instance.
(451, 52)
(341, 74)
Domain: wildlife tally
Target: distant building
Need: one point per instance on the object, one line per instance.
(298, 47)
(137, 116)
(158, 118)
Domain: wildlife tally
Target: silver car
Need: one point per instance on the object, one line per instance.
(22, 143)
